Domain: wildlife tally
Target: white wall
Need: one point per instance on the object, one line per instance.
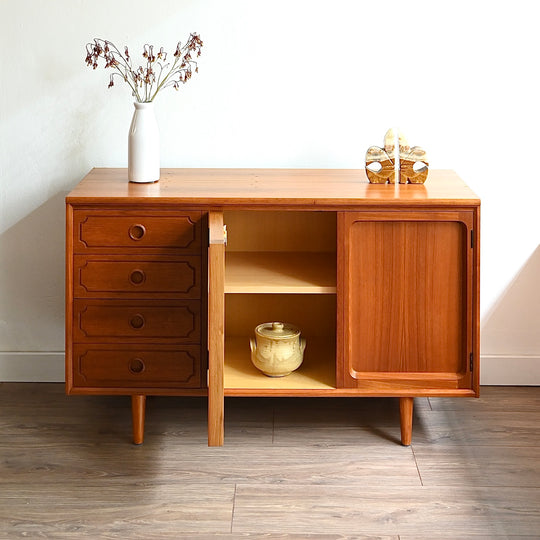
(282, 83)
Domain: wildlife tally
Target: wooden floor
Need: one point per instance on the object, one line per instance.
(290, 468)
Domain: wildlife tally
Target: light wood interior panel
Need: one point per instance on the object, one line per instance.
(261, 230)
(280, 272)
(282, 267)
(408, 282)
(315, 315)
(317, 371)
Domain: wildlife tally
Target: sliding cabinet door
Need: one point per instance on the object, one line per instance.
(406, 301)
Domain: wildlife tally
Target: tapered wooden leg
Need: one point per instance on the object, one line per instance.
(406, 416)
(138, 405)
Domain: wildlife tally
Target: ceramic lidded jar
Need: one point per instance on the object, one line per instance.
(277, 349)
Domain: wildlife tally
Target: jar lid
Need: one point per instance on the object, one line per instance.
(277, 330)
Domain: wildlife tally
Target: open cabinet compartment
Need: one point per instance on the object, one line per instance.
(280, 266)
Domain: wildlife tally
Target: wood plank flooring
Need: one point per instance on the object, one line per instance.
(290, 468)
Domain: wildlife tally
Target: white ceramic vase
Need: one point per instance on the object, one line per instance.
(143, 145)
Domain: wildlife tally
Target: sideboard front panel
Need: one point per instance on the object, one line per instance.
(136, 367)
(406, 318)
(147, 230)
(137, 300)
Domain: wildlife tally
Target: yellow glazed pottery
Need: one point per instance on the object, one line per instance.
(277, 349)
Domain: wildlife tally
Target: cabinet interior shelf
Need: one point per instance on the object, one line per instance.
(280, 272)
(317, 372)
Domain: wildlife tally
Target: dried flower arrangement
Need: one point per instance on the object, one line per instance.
(145, 82)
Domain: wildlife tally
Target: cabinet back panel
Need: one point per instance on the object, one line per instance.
(315, 315)
(280, 231)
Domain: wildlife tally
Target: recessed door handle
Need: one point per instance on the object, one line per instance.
(137, 321)
(137, 277)
(137, 231)
(136, 366)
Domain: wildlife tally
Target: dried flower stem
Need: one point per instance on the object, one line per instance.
(146, 82)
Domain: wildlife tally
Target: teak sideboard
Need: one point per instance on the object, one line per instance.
(166, 282)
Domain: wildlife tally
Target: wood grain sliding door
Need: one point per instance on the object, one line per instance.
(405, 288)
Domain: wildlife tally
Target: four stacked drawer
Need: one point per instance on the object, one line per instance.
(137, 300)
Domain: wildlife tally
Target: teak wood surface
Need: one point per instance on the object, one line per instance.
(216, 328)
(307, 188)
(409, 315)
(135, 250)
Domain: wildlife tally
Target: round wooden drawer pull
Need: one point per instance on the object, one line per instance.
(137, 277)
(137, 231)
(136, 365)
(137, 321)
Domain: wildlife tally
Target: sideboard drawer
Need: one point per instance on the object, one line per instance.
(109, 366)
(145, 231)
(115, 320)
(137, 277)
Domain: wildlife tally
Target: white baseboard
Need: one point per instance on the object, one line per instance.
(497, 370)
(31, 366)
(509, 370)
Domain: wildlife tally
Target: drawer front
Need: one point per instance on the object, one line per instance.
(106, 230)
(136, 367)
(126, 320)
(136, 277)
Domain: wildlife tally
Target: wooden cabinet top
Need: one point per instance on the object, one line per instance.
(315, 188)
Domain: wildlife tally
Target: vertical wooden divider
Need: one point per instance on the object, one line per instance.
(216, 327)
